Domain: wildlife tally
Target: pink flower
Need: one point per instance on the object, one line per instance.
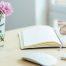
(5, 7)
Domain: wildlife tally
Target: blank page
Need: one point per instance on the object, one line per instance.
(38, 34)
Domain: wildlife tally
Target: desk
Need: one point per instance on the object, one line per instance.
(10, 54)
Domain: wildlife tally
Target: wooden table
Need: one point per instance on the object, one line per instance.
(11, 55)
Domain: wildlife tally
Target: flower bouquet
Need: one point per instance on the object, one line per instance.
(5, 10)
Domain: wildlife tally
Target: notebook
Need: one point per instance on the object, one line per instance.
(38, 36)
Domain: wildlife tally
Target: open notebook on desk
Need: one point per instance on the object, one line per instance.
(38, 36)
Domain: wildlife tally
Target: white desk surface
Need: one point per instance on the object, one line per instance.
(10, 54)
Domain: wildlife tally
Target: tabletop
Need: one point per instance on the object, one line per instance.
(11, 54)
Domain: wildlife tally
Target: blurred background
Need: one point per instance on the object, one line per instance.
(35, 12)
(23, 15)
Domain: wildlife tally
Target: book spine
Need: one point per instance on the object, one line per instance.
(21, 42)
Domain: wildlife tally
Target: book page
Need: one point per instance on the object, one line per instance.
(38, 34)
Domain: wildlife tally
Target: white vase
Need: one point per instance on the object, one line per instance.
(2, 29)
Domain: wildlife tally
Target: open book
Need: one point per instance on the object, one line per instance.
(38, 36)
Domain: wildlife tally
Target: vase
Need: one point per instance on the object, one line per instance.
(2, 29)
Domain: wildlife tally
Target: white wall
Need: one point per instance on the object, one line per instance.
(23, 15)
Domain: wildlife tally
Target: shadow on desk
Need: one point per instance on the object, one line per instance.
(27, 63)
